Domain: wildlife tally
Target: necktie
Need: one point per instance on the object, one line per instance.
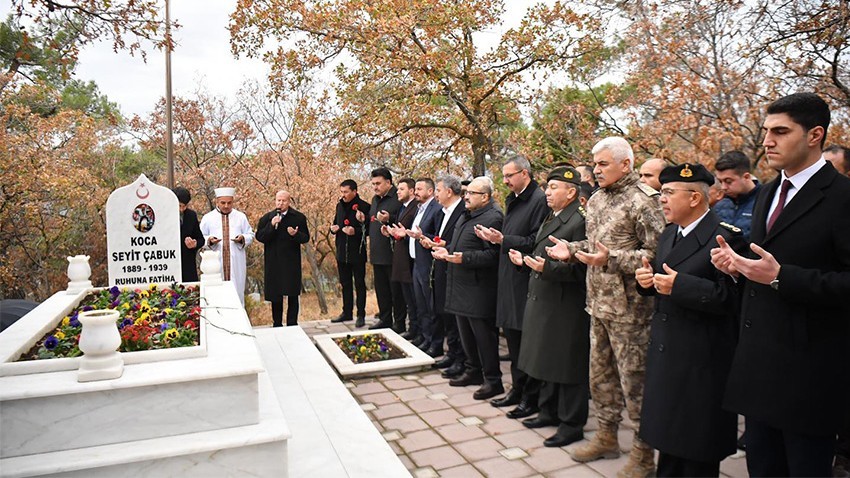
(678, 238)
(225, 245)
(783, 195)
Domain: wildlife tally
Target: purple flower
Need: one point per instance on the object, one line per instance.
(51, 343)
(74, 321)
(87, 308)
(115, 303)
(174, 302)
(114, 291)
(127, 322)
(163, 326)
(383, 348)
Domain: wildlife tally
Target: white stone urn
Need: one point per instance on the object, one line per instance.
(99, 341)
(210, 267)
(79, 273)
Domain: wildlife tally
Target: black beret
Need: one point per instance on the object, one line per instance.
(183, 195)
(565, 173)
(686, 173)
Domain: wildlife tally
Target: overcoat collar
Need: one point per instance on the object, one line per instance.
(689, 245)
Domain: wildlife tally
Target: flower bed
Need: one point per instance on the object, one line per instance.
(368, 348)
(149, 319)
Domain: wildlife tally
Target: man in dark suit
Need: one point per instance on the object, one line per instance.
(350, 229)
(693, 331)
(383, 211)
(555, 346)
(448, 194)
(402, 273)
(190, 234)
(282, 231)
(789, 376)
(472, 277)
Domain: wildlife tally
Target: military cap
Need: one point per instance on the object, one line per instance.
(565, 173)
(686, 173)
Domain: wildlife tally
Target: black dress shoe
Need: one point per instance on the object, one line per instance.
(380, 325)
(538, 422)
(557, 439)
(407, 335)
(512, 398)
(361, 321)
(417, 341)
(466, 379)
(444, 362)
(424, 346)
(455, 371)
(488, 390)
(435, 352)
(399, 329)
(524, 409)
(341, 318)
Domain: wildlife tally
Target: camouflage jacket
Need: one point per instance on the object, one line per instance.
(625, 217)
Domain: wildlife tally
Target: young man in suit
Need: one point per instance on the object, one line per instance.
(402, 271)
(190, 234)
(789, 376)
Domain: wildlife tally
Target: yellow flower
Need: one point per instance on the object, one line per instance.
(126, 305)
(144, 316)
(59, 335)
(167, 310)
(143, 293)
(362, 349)
(171, 333)
(181, 304)
(66, 321)
(153, 287)
(139, 321)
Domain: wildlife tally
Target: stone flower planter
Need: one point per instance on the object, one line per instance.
(416, 359)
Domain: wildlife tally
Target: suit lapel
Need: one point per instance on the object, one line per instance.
(693, 242)
(456, 214)
(552, 224)
(665, 244)
(803, 201)
(759, 222)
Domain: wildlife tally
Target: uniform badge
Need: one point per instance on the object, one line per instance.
(568, 174)
(582, 211)
(686, 172)
(730, 227)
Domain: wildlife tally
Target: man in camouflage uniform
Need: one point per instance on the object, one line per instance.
(624, 221)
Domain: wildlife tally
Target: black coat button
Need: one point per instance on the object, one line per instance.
(748, 324)
(661, 348)
(752, 293)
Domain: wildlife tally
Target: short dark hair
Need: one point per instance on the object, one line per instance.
(349, 183)
(409, 181)
(585, 190)
(736, 160)
(428, 181)
(465, 182)
(382, 173)
(845, 153)
(184, 196)
(806, 109)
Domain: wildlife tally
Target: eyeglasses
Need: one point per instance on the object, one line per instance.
(667, 192)
(468, 192)
(510, 175)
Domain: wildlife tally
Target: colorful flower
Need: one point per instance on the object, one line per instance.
(51, 343)
(346, 222)
(171, 334)
(66, 321)
(354, 207)
(60, 335)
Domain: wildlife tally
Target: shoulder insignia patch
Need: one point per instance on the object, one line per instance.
(732, 228)
(582, 211)
(647, 189)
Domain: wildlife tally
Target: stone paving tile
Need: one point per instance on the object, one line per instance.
(481, 409)
(396, 449)
(378, 425)
(420, 440)
(501, 425)
(427, 405)
(426, 472)
(399, 384)
(503, 468)
(412, 394)
(440, 417)
(461, 399)
(545, 460)
(382, 398)
(391, 411)
(458, 432)
(405, 424)
(447, 389)
(513, 453)
(432, 379)
(438, 458)
(392, 435)
(368, 387)
(464, 471)
(524, 438)
(578, 471)
(367, 407)
(438, 396)
(476, 450)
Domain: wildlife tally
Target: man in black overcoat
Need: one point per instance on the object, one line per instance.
(693, 331)
(525, 208)
(471, 289)
(383, 211)
(402, 272)
(282, 231)
(555, 348)
(191, 237)
(351, 229)
(789, 377)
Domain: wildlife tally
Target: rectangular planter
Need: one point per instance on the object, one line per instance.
(415, 360)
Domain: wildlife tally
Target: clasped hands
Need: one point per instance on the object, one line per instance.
(561, 251)
(534, 263)
(442, 254)
(762, 270)
(662, 283)
(489, 234)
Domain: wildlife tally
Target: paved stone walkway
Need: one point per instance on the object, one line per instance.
(441, 431)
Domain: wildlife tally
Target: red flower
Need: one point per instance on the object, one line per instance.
(373, 218)
(354, 207)
(346, 222)
(189, 324)
(437, 239)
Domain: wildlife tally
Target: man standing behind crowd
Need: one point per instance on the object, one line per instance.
(740, 189)
(384, 210)
(839, 156)
(228, 231)
(351, 251)
(402, 273)
(649, 171)
(556, 328)
(472, 277)
(191, 237)
(693, 332)
(525, 208)
(624, 221)
(282, 231)
(789, 376)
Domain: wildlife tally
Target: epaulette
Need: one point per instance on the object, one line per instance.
(582, 211)
(732, 228)
(648, 190)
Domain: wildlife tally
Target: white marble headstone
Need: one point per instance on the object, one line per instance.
(143, 235)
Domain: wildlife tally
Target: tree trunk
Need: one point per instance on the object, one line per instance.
(317, 278)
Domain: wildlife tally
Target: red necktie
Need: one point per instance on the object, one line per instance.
(225, 246)
(783, 195)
